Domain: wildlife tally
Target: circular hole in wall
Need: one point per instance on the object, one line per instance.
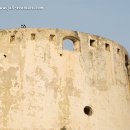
(88, 110)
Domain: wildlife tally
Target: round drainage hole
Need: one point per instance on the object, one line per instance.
(88, 110)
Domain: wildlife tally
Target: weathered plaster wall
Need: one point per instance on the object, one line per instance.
(43, 87)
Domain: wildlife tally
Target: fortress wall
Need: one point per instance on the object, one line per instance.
(44, 87)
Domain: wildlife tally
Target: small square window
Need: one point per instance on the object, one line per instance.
(107, 47)
(52, 37)
(118, 51)
(93, 43)
(33, 36)
(126, 60)
(12, 38)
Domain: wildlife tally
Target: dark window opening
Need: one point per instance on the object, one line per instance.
(127, 64)
(118, 51)
(68, 45)
(88, 110)
(107, 47)
(33, 36)
(12, 38)
(126, 61)
(52, 37)
(93, 43)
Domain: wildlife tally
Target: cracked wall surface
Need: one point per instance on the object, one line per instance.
(44, 87)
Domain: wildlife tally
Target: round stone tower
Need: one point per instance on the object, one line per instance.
(45, 87)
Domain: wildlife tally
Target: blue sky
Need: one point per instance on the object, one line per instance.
(109, 18)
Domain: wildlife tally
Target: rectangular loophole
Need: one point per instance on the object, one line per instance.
(12, 38)
(33, 36)
(127, 64)
(93, 43)
(126, 60)
(118, 51)
(107, 47)
(52, 37)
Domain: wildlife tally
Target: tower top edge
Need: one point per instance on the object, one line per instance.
(61, 30)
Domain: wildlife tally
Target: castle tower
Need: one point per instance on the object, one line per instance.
(45, 87)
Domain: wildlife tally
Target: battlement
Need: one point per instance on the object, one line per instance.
(57, 36)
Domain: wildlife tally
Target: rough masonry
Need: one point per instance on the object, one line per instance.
(45, 87)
